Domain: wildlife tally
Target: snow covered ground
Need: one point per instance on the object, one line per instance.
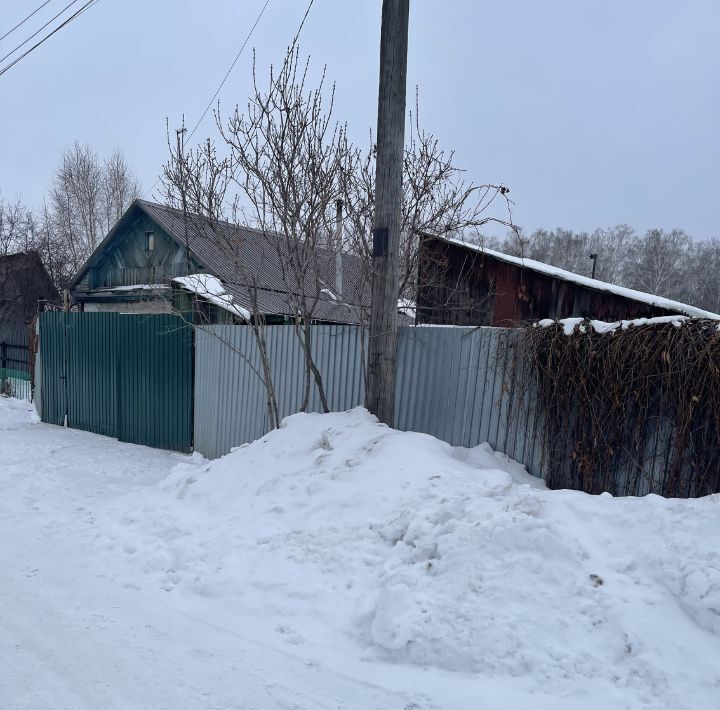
(339, 564)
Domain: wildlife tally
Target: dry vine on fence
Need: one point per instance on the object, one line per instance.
(629, 411)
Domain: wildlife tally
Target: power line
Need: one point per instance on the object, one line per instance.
(222, 83)
(234, 62)
(72, 17)
(22, 22)
(37, 32)
(232, 66)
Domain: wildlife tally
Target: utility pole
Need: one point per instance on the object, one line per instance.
(388, 199)
(180, 134)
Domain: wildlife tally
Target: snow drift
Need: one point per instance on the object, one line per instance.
(341, 538)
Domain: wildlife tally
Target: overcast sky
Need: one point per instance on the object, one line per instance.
(594, 113)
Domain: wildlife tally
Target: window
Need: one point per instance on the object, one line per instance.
(149, 241)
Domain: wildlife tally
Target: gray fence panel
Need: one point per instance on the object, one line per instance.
(450, 383)
(443, 376)
(230, 397)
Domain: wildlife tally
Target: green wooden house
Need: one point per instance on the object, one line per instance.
(158, 260)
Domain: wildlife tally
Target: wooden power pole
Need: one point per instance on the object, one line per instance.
(388, 200)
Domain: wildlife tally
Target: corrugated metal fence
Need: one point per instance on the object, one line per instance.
(15, 369)
(131, 376)
(119, 375)
(451, 383)
(230, 399)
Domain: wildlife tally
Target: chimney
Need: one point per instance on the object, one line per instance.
(338, 247)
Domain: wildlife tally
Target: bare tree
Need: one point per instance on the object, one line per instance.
(87, 196)
(282, 173)
(13, 226)
(196, 183)
(288, 157)
(119, 188)
(659, 263)
(437, 199)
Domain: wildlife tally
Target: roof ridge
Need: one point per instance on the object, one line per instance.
(196, 215)
(263, 232)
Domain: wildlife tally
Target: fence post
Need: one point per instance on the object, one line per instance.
(3, 365)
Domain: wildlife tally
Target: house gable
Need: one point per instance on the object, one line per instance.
(123, 259)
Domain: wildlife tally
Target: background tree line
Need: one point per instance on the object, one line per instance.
(86, 196)
(667, 263)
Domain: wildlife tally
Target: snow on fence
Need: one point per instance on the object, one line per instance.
(451, 383)
(631, 407)
(15, 377)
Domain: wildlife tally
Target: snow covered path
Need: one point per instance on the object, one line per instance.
(73, 633)
(337, 564)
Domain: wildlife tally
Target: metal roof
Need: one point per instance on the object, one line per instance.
(247, 259)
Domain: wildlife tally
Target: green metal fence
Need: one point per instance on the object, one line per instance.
(127, 376)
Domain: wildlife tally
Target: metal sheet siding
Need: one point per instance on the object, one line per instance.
(37, 392)
(91, 370)
(52, 354)
(449, 382)
(154, 381)
(230, 400)
(119, 375)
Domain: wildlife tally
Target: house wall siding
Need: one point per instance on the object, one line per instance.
(149, 306)
(459, 286)
(126, 262)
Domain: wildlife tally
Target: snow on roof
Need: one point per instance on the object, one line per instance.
(211, 289)
(407, 307)
(555, 272)
(136, 287)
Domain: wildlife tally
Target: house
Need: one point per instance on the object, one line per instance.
(24, 284)
(158, 260)
(466, 284)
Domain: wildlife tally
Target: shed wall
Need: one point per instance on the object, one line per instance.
(460, 286)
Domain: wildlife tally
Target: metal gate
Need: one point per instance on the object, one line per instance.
(15, 368)
(127, 376)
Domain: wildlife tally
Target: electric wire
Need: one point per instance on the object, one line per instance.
(232, 66)
(22, 22)
(38, 31)
(72, 17)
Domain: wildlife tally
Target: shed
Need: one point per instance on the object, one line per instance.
(24, 283)
(460, 283)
